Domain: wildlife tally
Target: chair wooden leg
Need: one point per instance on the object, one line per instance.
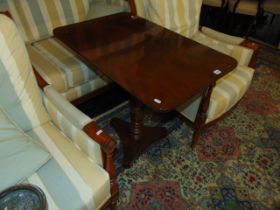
(112, 202)
(232, 17)
(115, 195)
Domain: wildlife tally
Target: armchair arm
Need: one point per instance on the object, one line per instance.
(107, 143)
(235, 45)
(242, 54)
(222, 36)
(85, 134)
(74, 115)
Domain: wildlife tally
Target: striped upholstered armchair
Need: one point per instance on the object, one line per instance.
(43, 140)
(182, 16)
(57, 65)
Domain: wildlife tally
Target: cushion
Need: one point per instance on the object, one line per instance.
(65, 62)
(212, 43)
(70, 173)
(103, 9)
(47, 69)
(60, 68)
(18, 153)
(180, 16)
(19, 93)
(242, 54)
(88, 87)
(227, 92)
(222, 36)
(71, 122)
(37, 19)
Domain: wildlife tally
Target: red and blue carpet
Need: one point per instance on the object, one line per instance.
(236, 165)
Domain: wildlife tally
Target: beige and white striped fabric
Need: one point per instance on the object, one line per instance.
(101, 8)
(63, 70)
(227, 92)
(56, 64)
(71, 121)
(221, 36)
(182, 16)
(88, 87)
(71, 179)
(37, 19)
(242, 54)
(19, 94)
(115, 2)
(108, 2)
(60, 57)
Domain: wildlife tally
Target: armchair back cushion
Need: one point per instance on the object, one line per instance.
(109, 2)
(172, 14)
(19, 93)
(20, 156)
(104, 8)
(37, 19)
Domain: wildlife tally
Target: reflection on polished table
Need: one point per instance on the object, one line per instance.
(159, 68)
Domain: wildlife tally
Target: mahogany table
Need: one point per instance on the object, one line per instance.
(159, 68)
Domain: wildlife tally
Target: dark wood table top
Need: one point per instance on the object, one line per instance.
(160, 68)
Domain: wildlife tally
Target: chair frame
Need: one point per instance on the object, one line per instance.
(253, 23)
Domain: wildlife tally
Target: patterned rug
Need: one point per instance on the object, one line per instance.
(236, 164)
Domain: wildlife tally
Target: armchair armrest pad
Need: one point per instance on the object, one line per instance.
(107, 143)
(242, 54)
(78, 118)
(221, 36)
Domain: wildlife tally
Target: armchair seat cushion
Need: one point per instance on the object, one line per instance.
(70, 173)
(227, 92)
(85, 88)
(54, 62)
(68, 64)
(62, 69)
